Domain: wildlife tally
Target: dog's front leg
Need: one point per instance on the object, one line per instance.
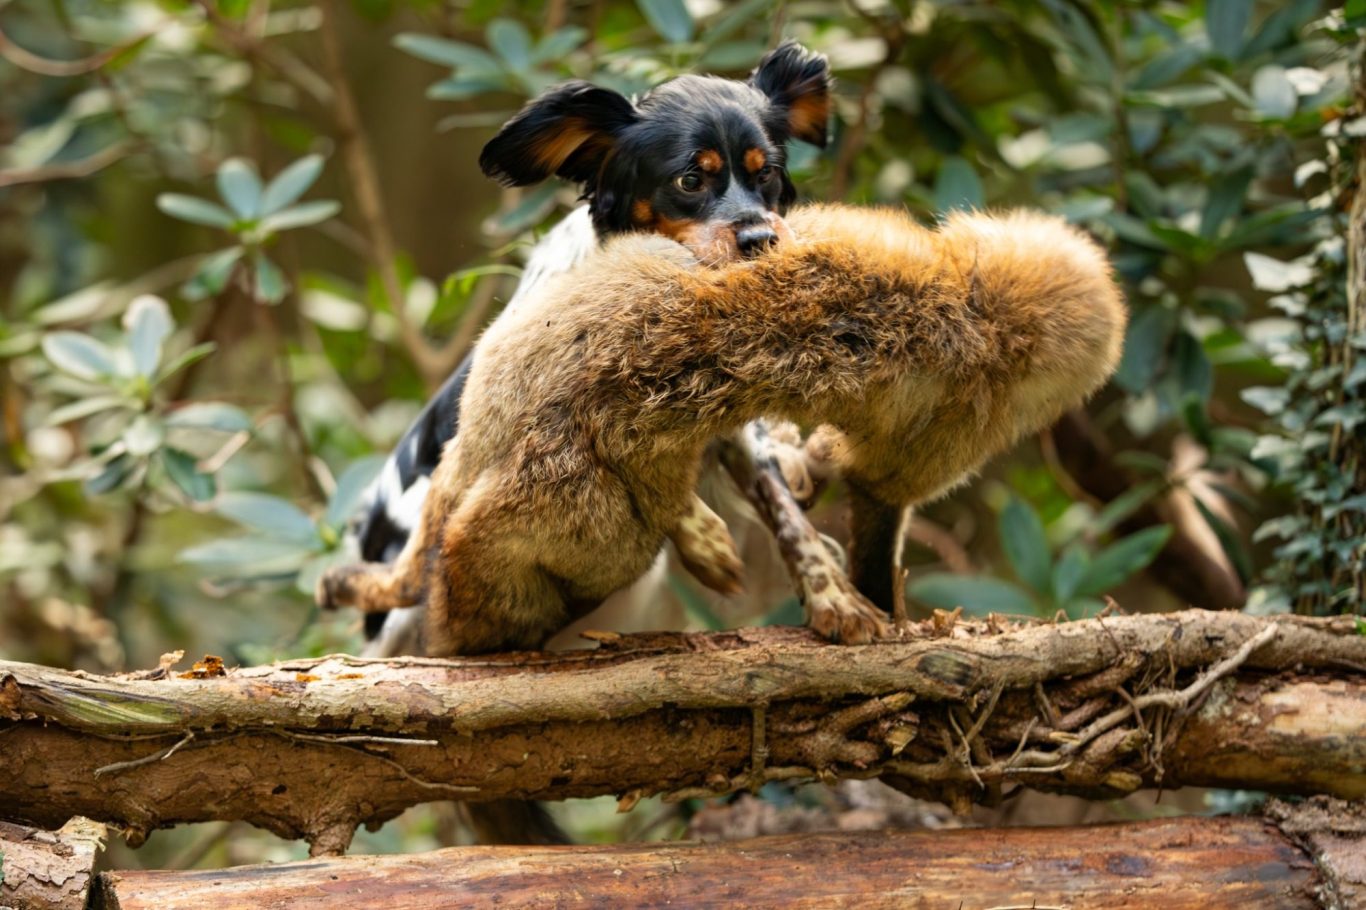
(834, 607)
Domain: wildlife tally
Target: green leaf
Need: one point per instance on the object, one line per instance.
(209, 415)
(350, 485)
(269, 282)
(77, 306)
(1191, 367)
(957, 185)
(508, 38)
(1229, 541)
(731, 17)
(552, 47)
(195, 210)
(1275, 276)
(144, 435)
(240, 187)
(1225, 200)
(279, 518)
(534, 206)
(1091, 51)
(976, 594)
(729, 56)
(181, 361)
(1166, 68)
(1068, 573)
(669, 18)
(1025, 544)
(459, 88)
(455, 54)
(80, 355)
(1226, 22)
(184, 472)
(301, 215)
(85, 407)
(1270, 400)
(111, 477)
(148, 321)
(251, 556)
(1193, 412)
(1144, 344)
(291, 183)
(1124, 505)
(1113, 565)
(212, 275)
(1272, 92)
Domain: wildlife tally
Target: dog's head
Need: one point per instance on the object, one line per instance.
(700, 159)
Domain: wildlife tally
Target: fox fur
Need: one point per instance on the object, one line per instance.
(921, 352)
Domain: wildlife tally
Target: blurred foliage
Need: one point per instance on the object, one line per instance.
(176, 366)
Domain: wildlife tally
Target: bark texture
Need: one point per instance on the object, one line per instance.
(956, 711)
(1177, 864)
(48, 870)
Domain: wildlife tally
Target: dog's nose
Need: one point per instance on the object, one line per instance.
(753, 239)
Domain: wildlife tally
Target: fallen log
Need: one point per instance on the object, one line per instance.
(1179, 864)
(48, 870)
(955, 711)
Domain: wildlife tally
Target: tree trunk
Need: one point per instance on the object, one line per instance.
(957, 711)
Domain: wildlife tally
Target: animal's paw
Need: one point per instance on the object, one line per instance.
(836, 609)
(336, 588)
(786, 447)
(708, 551)
(823, 451)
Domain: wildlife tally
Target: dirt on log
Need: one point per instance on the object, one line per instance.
(952, 710)
(1177, 864)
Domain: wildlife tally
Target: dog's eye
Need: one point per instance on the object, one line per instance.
(766, 174)
(690, 182)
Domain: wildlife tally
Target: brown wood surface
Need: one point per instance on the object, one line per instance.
(48, 870)
(314, 748)
(1175, 864)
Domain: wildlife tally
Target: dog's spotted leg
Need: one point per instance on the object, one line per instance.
(834, 607)
(707, 550)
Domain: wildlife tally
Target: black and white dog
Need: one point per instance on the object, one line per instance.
(699, 159)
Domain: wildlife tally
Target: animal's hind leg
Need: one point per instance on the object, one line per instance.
(875, 542)
(834, 607)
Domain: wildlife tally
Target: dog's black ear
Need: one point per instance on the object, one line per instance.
(797, 81)
(567, 131)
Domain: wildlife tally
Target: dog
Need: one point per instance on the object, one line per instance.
(700, 160)
(588, 410)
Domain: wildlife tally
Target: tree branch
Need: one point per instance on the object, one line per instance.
(312, 748)
(70, 170)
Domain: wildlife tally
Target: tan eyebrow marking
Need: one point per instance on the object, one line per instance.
(710, 161)
(755, 159)
(642, 212)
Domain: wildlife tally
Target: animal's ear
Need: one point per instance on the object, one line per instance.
(797, 81)
(568, 131)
